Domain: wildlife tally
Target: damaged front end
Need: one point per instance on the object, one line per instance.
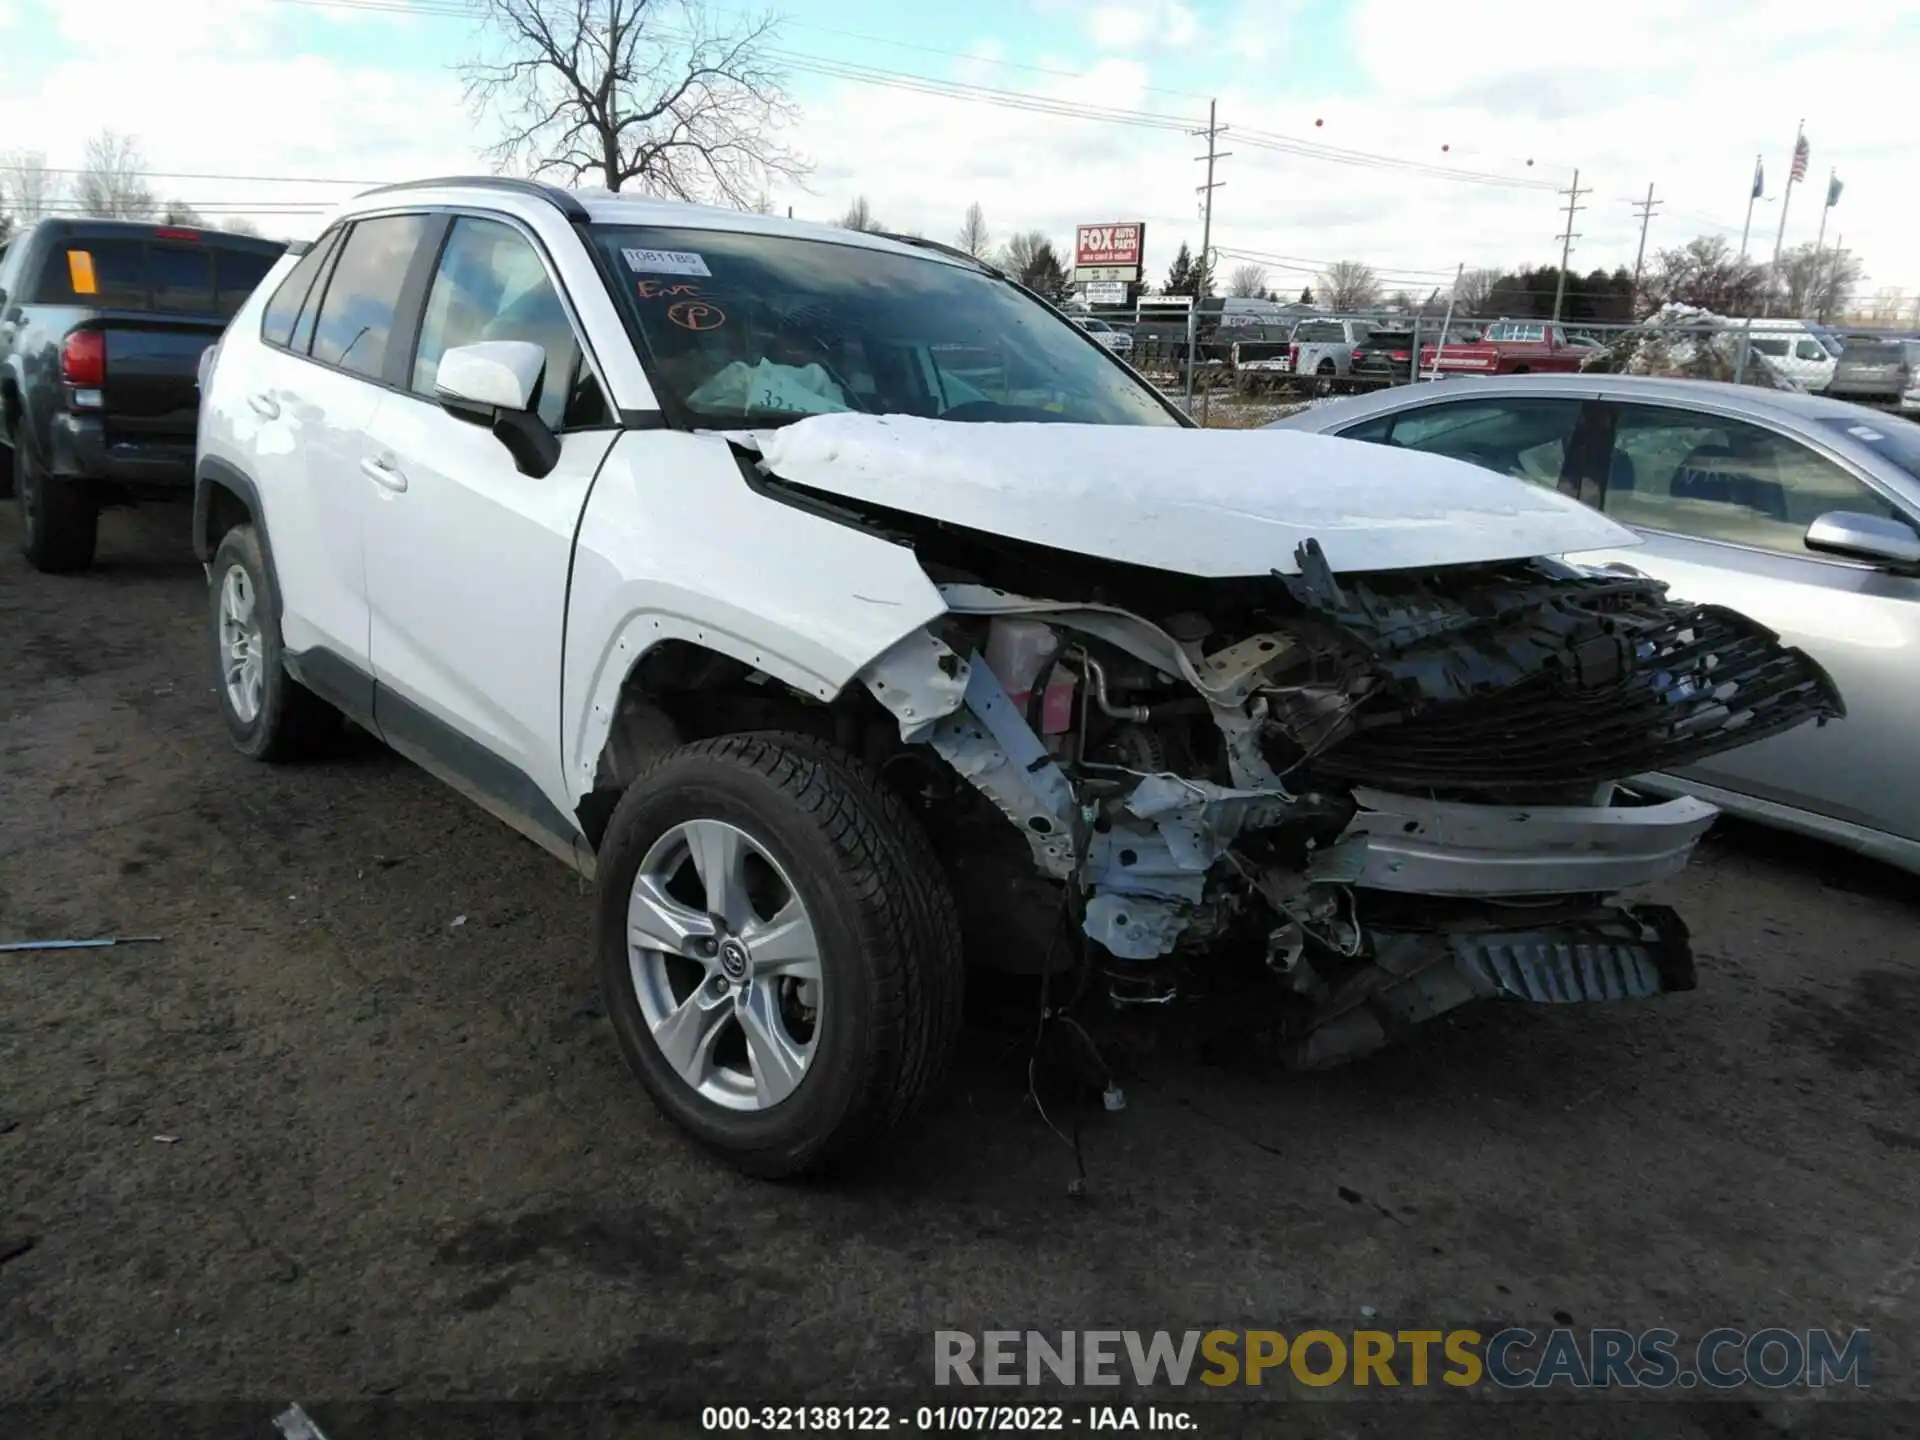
(1397, 787)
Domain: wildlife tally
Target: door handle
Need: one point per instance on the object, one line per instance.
(265, 405)
(382, 473)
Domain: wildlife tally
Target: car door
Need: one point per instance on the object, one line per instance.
(1724, 507)
(467, 558)
(311, 390)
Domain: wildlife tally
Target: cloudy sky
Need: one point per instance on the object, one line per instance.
(1340, 112)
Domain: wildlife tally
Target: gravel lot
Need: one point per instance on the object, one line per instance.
(405, 1162)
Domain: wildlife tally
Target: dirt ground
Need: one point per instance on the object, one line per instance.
(403, 1165)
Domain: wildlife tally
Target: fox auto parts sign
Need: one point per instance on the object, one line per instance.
(1118, 244)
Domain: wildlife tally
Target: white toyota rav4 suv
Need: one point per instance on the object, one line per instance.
(848, 614)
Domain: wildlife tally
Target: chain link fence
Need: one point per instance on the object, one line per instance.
(1268, 368)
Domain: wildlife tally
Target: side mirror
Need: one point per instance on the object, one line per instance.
(1865, 537)
(496, 383)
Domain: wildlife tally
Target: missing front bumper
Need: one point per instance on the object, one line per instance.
(1624, 953)
(1408, 845)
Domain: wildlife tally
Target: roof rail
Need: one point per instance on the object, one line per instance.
(920, 242)
(565, 201)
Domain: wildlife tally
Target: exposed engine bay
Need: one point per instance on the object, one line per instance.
(1399, 786)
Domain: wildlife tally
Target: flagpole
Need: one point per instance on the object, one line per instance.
(1831, 177)
(1753, 194)
(1786, 198)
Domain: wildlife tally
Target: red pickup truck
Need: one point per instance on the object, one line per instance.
(1508, 347)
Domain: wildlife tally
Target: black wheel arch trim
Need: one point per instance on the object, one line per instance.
(212, 474)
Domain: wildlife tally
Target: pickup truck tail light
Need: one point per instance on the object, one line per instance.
(83, 359)
(1293, 357)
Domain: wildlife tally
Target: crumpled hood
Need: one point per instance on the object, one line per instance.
(1197, 502)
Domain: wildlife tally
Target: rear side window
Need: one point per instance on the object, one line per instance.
(276, 326)
(356, 317)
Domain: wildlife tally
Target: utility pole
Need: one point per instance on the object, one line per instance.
(1786, 197)
(1645, 208)
(1753, 195)
(1213, 132)
(1573, 193)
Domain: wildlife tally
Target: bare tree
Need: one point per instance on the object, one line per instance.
(1401, 301)
(1818, 282)
(178, 212)
(655, 93)
(761, 204)
(1705, 272)
(239, 225)
(1022, 249)
(1248, 282)
(860, 216)
(31, 189)
(973, 232)
(1349, 285)
(1473, 289)
(113, 179)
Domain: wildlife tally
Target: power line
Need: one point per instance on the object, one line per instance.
(1306, 265)
(1314, 150)
(1027, 101)
(209, 175)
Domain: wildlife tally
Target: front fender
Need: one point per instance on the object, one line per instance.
(674, 544)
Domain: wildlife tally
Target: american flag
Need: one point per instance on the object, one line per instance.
(1799, 159)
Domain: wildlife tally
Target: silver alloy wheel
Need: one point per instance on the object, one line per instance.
(242, 658)
(725, 965)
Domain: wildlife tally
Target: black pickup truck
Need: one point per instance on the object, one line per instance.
(102, 323)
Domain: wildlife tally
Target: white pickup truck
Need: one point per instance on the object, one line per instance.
(848, 615)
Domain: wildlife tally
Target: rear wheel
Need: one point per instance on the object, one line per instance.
(778, 950)
(270, 716)
(59, 522)
(1323, 378)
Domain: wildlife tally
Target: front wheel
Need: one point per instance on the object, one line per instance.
(778, 950)
(59, 521)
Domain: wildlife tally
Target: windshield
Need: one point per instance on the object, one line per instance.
(740, 328)
(1894, 440)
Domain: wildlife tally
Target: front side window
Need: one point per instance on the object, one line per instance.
(1521, 437)
(355, 318)
(491, 285)
(1720, 479)
(753, 329)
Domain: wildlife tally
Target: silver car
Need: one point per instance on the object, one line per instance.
(1800, 511)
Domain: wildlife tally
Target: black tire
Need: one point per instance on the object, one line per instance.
(891, 964)
(59, 521)
(1323, 378)
(292, 723)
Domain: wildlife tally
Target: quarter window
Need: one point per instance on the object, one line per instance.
(276, 326)
(356, 317)
(491, 285)
(1719, 479)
